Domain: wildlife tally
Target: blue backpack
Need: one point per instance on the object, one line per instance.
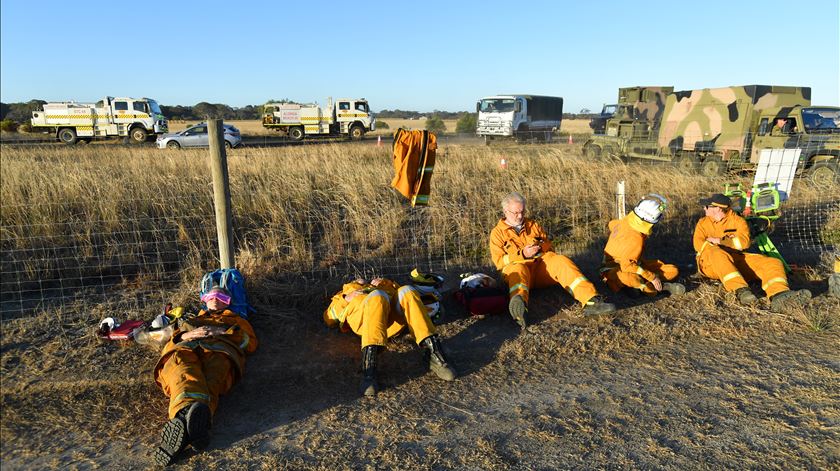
(233, 281)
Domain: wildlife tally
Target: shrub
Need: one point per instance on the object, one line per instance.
(436, 125)
(466, 124)
(25, 127)
(382, 125)
(8, 125)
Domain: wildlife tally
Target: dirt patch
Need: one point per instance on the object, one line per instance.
(677, 383)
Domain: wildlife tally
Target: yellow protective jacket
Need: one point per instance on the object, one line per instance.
(336, 313)
(733, 231)
(239, 339)
(414, 162)
(626, 244)
(506, 245)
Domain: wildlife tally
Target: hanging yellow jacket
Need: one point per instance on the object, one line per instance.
(506, 244)
(414, 162)
(238, 340)
(626, 244)
(733, 231)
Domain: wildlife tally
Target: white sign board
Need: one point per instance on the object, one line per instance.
(777, 166)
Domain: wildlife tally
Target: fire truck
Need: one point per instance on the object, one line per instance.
(344, 117)
(134, 118)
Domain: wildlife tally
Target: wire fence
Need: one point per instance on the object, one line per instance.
(139, 250)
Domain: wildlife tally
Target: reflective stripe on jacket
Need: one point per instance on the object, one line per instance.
(733, 231)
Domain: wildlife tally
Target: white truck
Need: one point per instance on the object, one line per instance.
(519, 116)
(135, 118)
(344, 117)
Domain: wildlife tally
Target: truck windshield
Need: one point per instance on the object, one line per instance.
(154, 106)
(502, 105)
(609, 110)
(821, 120)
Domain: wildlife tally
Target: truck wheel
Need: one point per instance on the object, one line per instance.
(138, 135)
(67, 135)
(296, 133)
(357, 132)
(712, 167)
(592, 152)
(685, 163)
(173, 145)
(228, 145)
(825, 174)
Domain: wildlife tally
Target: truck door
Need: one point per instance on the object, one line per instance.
(766, 137)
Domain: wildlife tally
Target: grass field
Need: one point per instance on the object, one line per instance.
(665, 383)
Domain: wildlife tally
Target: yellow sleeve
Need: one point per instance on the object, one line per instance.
(699, 238)
(502, 252)
(739, 239)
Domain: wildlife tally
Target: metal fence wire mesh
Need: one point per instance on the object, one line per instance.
(315, 223)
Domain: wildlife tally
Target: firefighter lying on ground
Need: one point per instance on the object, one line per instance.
(379, 310)
(623, 266)
(523, 253)
(720, 241)
(204, 358)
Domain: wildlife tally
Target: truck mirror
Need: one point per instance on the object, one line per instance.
(517, 106)
(477, 106)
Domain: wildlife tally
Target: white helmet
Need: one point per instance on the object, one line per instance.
(651, 207)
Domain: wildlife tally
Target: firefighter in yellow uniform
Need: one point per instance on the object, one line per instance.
(522, 251)
(204, 358)
(720, 239)
(379, 310)
(624, 266)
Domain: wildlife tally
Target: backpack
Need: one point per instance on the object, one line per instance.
(233, 281)
(482, 301)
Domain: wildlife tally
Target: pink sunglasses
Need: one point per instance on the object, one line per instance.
(222, 297)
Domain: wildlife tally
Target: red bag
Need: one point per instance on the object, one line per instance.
(124, 331)
(483, 301)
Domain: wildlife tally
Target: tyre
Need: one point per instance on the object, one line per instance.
(592, 152)
(357, 132)
(138, 135)
(296, 133)
(825, 174)
(173, 145)
(228, 145)
(685, 163)
(712, 167)
(67, 135)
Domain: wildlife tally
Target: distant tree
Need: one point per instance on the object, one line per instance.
(382, 125)
(466, 123)
(25, 127)
(22, 112)
(7, 125)
(435, 124)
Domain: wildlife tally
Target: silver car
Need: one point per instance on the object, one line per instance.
(196, 136)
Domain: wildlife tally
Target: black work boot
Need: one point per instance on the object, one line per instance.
(198, 425)
(783, 301)
(173, 439)
(596, 306)
(369, 385)
(745, 296)
(518, 310)
(437, 359)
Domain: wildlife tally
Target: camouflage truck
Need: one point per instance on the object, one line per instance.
(641, 105)
(722, 128)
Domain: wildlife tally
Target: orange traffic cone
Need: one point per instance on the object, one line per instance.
(570, 139)
(379, 141)
(503, 163)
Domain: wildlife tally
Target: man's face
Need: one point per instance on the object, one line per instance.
(781, 123)
(716, 213)
(515, 213)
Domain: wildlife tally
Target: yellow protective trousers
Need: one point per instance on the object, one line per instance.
(197, 375)
(617, 279)
(375, 320)
(414, 162)
(550, 269)
(735, 269)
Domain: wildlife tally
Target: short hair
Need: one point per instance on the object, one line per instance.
(513, 196)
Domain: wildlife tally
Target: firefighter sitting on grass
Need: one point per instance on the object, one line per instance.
(720, 241)
(202, 360)
(522, 251)
(380, 309)
(623, 267)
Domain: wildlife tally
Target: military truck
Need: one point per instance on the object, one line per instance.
(642, 104)
(716, 129)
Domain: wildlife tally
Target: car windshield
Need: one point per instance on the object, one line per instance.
(501, 105)
(154, 106)
(821, 120)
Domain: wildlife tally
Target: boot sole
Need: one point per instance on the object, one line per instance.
(173, 438)
(517, 310)
(444, 372)
(198, 425)
(603, 308)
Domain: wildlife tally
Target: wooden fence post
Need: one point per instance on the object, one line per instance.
(221, 192)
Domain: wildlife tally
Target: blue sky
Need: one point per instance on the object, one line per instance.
(410, 55)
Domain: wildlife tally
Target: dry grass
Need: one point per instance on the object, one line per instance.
(664, 384)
